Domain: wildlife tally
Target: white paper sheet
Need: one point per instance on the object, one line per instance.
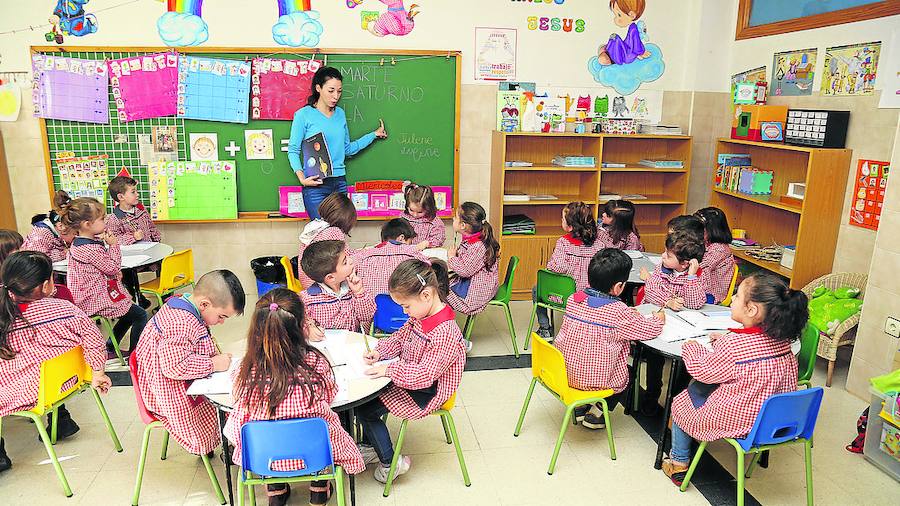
(137, 247)
(132, 261)
(678, 330)
(440, 253)
(634, 254)
(718, 320)
(216, 383)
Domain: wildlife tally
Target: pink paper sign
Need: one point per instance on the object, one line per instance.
(280, 87)
(389, 203)
(145, 86)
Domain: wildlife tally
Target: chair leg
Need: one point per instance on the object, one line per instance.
(141, 462)
(512, 330)
(339, 485)
(559, 440)
(54, 423)
(609, 430)
(109, 426)
(807, 458)
(468, 326)
(251, 492)
(830, 373)
(240, 487)
(525, 407)
(108, 329)
(51, 453)
(446, 431)
(397, 448)
(447, 418)
(693, 466)
(213, 479)
(753, 461)
(530, 326)
(740, 478)
(165, 445)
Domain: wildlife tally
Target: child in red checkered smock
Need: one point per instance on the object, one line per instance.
(743, 368)
(94, 269)
(421, 213)
(431, 356)
(337, 299)
(474, 262)
(298, 383)
(375, 265)
(129, 221)
(338, 218)
(35, 327)
(675, 283)
(176, 348)
(597, 329)
(617, 229)
(572, 254)
(718, 261)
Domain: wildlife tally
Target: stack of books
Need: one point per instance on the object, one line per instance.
(613, 165)
(518, 224)
(729, 169)
(574, 161)
(516, 163)
(657, 129)
(655, 163)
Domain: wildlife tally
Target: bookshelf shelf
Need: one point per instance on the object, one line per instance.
(770, 201)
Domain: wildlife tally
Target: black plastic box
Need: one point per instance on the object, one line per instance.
(816, 128)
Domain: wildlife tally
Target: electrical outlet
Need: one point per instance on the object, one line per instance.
(892, 326)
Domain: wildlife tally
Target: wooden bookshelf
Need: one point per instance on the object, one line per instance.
(812, 227)
(665, 188)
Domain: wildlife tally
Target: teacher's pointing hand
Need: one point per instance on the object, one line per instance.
(381, 133)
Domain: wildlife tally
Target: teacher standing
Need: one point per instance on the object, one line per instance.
(322, 115)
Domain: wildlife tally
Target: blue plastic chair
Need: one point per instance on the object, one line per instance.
(788, 418)
(263, 444)
(389, 316)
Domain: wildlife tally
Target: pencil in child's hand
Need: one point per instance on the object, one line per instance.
(365, 339)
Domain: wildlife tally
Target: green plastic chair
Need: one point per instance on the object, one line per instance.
(806, 359)
(449, 434)
(550, 284)
(504, 294)
(106, 328)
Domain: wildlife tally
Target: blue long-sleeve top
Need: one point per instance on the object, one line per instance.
(309, 121)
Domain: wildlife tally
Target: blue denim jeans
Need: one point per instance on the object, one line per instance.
(314, 195)
(681, 444)
(375, 431)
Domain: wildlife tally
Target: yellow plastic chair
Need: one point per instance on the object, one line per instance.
(548, 367)
(177, 272)
(449, 434)
(293, 284)
(727, 300)
(62, 377)
(106, 327)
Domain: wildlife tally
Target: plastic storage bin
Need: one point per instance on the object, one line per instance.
(880, 436)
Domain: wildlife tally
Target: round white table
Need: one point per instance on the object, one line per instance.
(648, 261)
(155, 252)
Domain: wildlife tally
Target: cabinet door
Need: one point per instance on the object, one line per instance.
(532, 253)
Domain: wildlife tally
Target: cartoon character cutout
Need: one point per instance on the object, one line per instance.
(619, 109)
(618, 51)
(396, 21)
(259, 145)
(203, 148)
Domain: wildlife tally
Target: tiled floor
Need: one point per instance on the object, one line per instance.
(505, 470)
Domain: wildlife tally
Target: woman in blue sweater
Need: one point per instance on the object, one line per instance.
(322, 115)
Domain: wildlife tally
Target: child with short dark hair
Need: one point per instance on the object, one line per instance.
(177, 348)
(129, 221)
(47, 234)
(337, 298)
(597, 330)
(10, 242)
(431, 355)
(675, 283)
(375, 265)
(35, 327)
(745, 367)
(421, 213)
(687, 223)
(617, 229)
(281, 377)
(474, 262)
(717, 266)
(338, 217)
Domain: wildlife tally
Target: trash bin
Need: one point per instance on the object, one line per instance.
(269, 274)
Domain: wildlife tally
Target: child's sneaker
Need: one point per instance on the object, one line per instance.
(5, 463)
(544, 332)
(468, 346)
(368, 453)
(593, 419)
(580, 411)
(381, 474)
(676, 471)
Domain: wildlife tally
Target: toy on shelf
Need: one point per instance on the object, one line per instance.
(771, 131)
(748, 119)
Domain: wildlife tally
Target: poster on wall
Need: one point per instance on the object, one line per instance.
(749, 76)
(496, 50)
(890, 74)
(793, 72)
(623, 63)
(868, 193)
(850, 70)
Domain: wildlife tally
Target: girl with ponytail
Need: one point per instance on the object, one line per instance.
(474, 261)
(283, 377)
(48, 235)
(745, 367)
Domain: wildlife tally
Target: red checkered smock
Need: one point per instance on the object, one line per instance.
(123, 225)
(665, 284)
(476, 285)
(45, 239)
(297, 404)
(54, 326)
(432, 230)
(91, 266)
(749, 367)
(594, 339)
(344, 312)
(374, 266)
(631, 242)
(571, 257)
(432, 352)
(315, 231)
(174, 349)
(718, 268)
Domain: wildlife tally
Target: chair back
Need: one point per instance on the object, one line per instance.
(552, 284)
(504, 291)
(60, 376)
(177, 270)
(449, 403)
(389, 316)
(293, 284)
(785, 417)
(548, 365)
(727, 300)
(146, 416)
(263, 446)
(806, 359)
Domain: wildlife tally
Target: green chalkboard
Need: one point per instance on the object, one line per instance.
(415, 93)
